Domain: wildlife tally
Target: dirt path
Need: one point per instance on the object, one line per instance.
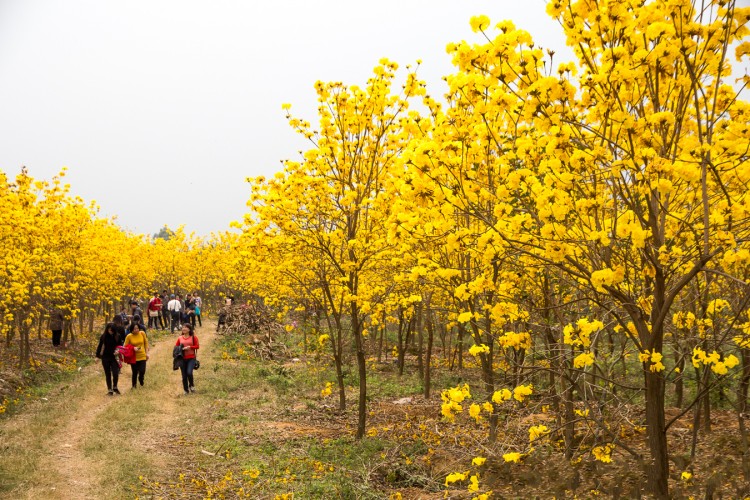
(79, 427)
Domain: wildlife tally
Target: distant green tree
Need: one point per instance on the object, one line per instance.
(164, 233)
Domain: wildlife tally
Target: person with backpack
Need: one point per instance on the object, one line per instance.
(138, 340)
(124, 319)
(198, 305)
(183, 310)
(135, 309)
(189, 343)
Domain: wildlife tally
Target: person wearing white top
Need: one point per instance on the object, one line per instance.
(174, 307)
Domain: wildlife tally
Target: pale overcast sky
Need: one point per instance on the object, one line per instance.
(161, 108)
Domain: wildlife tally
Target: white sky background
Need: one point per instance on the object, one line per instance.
(161, 108)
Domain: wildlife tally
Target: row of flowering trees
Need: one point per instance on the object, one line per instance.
(568, 222)
(57, 252)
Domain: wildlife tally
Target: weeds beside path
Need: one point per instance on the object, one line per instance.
(80, 443)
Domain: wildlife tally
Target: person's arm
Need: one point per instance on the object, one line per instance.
(127, 340)
(145, 343)
(195, 346)
(99, 347)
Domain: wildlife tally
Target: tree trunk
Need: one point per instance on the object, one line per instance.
(460, 343)
(569, 426)
(382, 339)
(337, 348)
(362, 370)
(706, 403)
(24, 347)
(428, 354)
(420, 341)
(741, 412)
(658, 469)
(679, 381)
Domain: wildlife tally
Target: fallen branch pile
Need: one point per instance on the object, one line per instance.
(256, 322)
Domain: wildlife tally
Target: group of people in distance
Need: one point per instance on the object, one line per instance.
(172, 310)
(128, 330)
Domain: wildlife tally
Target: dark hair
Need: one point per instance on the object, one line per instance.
(137, 319)
(190, 327)
(117, 320)
(112, 327)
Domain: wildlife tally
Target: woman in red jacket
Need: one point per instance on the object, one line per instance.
(189, 343)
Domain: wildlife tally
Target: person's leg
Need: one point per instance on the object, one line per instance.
(115, 375)
(56, 336)
(200, 323)
(192, 320)
(183, 370)
(107, 373)
(134, 369)
(142, 371)
(190, 365)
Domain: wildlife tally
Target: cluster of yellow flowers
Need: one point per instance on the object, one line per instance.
(718, 365)
(603, 453)
(473, 485)
(654, 358)
(326, 391)
(579, 334)
(452, 399)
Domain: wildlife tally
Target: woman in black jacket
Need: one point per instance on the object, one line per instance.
(108, 343)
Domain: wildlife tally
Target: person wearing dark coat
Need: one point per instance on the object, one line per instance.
(108, 343)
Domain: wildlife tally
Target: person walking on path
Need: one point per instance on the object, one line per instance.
(119, 326)
(189, 343)
(154, 312)
(135, 309)
(138, 340)
(190, 309)
(108, 343)
(198, 307)
(165, 315)
(56, 324)
(174, 308)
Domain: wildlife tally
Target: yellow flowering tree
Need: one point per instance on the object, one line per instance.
(333, 204)
(625, 172)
